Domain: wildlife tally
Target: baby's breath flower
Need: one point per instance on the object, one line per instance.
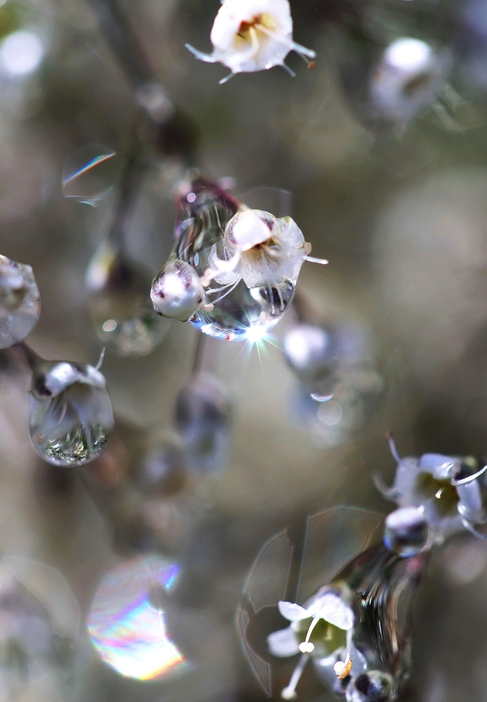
(252, 35)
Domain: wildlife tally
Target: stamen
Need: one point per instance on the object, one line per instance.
(342, 669)
(306, 646)
(289, 692)
(312, 259)
(101, 359)
(469, 478)
(393, 449)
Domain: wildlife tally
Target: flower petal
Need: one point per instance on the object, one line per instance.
(333, 610)
(283, 643)
(293, 612)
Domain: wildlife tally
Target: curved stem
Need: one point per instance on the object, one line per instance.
(124, 42)
(129, 187)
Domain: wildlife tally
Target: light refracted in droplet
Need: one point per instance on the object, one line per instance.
(205, 210)
(69, 422)
(90, 174)
(127, 621)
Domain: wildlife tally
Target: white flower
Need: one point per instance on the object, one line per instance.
(262, 250)
(444, 488)
(408, 78)
(252, 35)
(329, 605)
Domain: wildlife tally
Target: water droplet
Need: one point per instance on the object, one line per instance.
(90, 174)
(128, 618)
(203, 413)
(205, 211)
(162, 471)
(120, 307)
(70, 413)
(19, 302)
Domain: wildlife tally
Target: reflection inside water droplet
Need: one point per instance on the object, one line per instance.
(330, 413)
(127, 621)
(90, 174)
(205, 212)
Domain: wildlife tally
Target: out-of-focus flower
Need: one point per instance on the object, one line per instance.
(445, 489)
(252, 35)
(408, 78)
(19, 302)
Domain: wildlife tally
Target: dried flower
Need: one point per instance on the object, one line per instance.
(252, 35)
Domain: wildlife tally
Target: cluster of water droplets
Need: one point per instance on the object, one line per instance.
(238, 311)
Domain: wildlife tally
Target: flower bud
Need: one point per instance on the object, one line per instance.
(177, 291)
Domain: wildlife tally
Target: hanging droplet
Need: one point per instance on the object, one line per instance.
(203, 415)
(311, 352)
(70, 413)
(370, 686)
(19, 302)
(120, 310)
(162, 470)
(236, 302)
(90, 174)
(406, 531)
(128, 619)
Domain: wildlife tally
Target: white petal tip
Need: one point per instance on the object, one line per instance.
(292, 611)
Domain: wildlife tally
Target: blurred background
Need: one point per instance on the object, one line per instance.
(392, 193)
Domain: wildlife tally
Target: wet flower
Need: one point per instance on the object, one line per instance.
(445, 489)
(252, 35)
(326, 623)
(233, 271)
(261, 250)
(70, 413)
(19, 302)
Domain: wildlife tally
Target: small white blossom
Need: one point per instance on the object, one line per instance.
(443, 488)
(252, 35)
(262, 250)
(327, 605)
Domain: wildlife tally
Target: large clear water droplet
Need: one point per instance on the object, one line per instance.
(238, 311)
(128, 619)
(90, 174)
(70, 413)
(19, 302)
(119, 306)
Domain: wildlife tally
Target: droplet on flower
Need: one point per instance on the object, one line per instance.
(90, 173)
(248, 285)
(70, 413)
(372, 686)
(120, 310)
(252, 35)
(128, 619)
(177, 291)
(19, 302)
(406, 531)
(408, 78)
(203, 415)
